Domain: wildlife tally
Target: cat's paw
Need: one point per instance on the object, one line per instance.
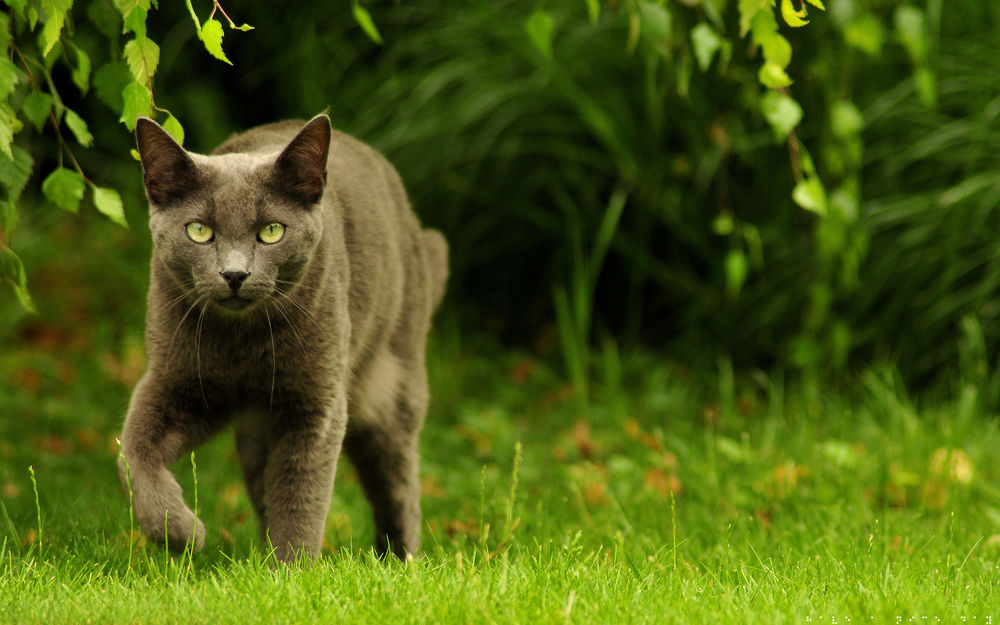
(178, 528)
(178, 535)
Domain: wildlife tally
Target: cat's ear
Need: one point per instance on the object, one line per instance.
(300, 170)
(167, 170)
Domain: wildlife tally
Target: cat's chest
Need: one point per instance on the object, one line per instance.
(244, 363)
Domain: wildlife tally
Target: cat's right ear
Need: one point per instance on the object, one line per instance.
(167, 170)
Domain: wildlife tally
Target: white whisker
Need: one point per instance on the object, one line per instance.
(274, 361)
(288, 320)
(295, 302)
(181, 322)
(197, 346)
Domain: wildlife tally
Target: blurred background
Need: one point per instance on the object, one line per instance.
(608, 179)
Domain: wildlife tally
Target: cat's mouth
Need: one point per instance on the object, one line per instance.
(235, 303)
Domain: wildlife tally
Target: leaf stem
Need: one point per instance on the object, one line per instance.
(194, 17)
(793, 147)
(217, 5)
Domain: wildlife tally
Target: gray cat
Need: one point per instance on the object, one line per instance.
(291, 294)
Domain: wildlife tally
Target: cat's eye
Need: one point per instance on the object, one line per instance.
(271, 233)
(199, 232)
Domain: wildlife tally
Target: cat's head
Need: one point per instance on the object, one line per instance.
(235, 229)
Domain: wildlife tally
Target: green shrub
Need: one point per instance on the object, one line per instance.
(628, 176)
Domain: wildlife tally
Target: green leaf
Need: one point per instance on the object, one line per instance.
(64, 188)
(126, 6)
(656, 27)
(794, 18)
(12, 272)
(4, 31)
(108, 202)
(705, 42)
(723, 224)
(36, 108)
(81, 73)
(109, 80)
(593, 10)
(137, 102)
(142, 56)
(211, 35)
(540, 27)
(8, 216)
(14, 172)
(9, 77)
(174, 129)
(818, 4)
(135, 22)
(844, 203)
(845, 119)
(810, 195)
(772, 76)
(79, 128)
(244, 27)
(365, 21)
(911, 25)
(866, 34)
(19, 6)
(737, 268)
(55, 19)
(926, 83)
(775, 47)
(781, 111)
(749, 10)
(9, 124)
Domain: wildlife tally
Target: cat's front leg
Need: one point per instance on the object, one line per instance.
(298, 480)
(160, 426)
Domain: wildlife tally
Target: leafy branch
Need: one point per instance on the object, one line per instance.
(39, 35)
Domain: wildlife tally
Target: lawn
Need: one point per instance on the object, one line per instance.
(670, 496)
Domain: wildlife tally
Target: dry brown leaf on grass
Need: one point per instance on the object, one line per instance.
(430, 487)
(634, 431)
(482, 442)
(523, 370)
(53, 444)
(592, 481)
(125, 368)
(231, 495)
(656, 479)
(455, 527)
(28, 379)
(582, 439)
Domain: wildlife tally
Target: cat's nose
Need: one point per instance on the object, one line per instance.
(234, 278)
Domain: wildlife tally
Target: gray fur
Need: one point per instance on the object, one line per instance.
(324, 351)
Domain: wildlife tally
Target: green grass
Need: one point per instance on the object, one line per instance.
(673, 498)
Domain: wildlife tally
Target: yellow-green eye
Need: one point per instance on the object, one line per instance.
(199, 232)
(271, 233)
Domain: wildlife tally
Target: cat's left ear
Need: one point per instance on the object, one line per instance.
(167, 170)
(300, 170)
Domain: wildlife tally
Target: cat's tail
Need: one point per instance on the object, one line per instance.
(437, 261)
